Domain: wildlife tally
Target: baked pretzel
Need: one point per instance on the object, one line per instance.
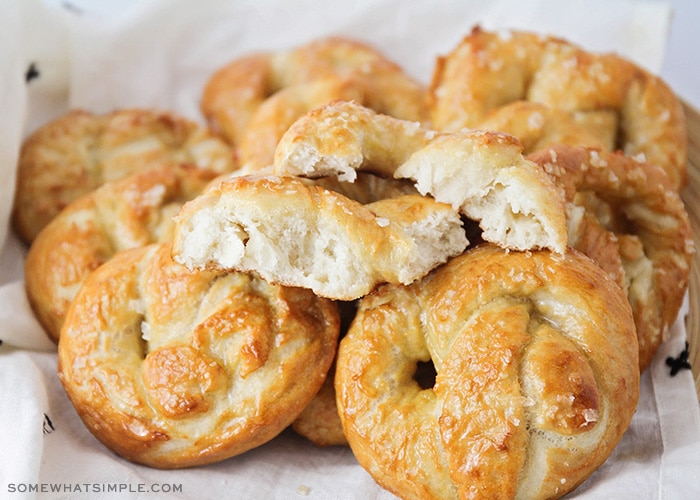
(181, 369)
(483, 174)
(234, 93)
(536, 377)
(489, 69)
(79, 151)
(298, 234)
(636, 206)
(121, 214)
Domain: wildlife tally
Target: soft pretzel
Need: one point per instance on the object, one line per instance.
(635, 204)
(536, 377)
(298, 234)
(79, 151)
(483, 174)
(126, 213)
(233, 94)
(181, 369)
(489, 69)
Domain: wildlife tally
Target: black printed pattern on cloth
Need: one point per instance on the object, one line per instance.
(31, 73)
(47, 427)
(679, 363)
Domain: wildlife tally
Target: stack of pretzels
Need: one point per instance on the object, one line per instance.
(461, 282)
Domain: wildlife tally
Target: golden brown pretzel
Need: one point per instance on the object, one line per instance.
(234, 93)
(79, 151)
(121, 214)
(488, 69)
(636, 206)
(483, 174)
(181, 369)
(298, 234)
(536, 377)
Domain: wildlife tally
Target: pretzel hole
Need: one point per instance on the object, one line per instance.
(425, 374)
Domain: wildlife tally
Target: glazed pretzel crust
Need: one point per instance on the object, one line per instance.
(537, 377)
(181, 369)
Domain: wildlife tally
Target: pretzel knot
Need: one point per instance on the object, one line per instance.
(79, 151)
(175, 369)
(126, 213)
(623, 104)
(251, 100)
(536, 377)
(482, 174)
(642, 231)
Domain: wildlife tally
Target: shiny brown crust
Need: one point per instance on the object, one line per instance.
(537, 377)
(632, 205)
(487, 70)
(483, 174)
(299, 79)
(79, 151)
(126, 213)
(181, 369)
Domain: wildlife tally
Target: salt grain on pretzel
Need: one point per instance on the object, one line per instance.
(536, 377)
(172, 369)
(488, 70)
(483, 174)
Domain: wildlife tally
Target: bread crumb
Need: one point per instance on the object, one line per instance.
(303, 490)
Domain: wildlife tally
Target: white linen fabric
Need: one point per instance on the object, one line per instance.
(158, 54)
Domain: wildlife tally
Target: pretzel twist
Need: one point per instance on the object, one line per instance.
(171, 368)
(79, 151)
(536, 377)
(482, 174)
(641, 214)
(616, 98)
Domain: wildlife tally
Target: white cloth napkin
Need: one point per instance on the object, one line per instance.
(159, 54)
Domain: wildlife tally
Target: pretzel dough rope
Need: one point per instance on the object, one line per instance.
(181, 369)
(126, 213)
(482, 174)
(537, 377)
(234, 93)
(654, 238)
(303, 235)
(487, 70)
